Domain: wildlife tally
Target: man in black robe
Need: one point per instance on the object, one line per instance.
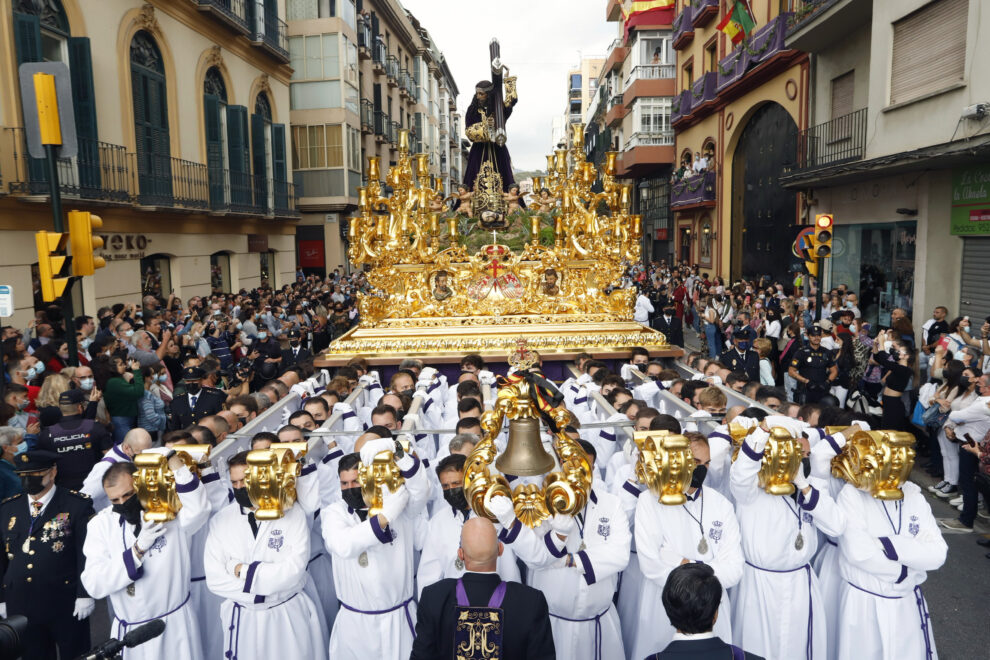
(479, 121)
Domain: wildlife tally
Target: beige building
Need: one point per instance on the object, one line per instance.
(180, 108)
(582, 88)
(897, 149)
(361, 73)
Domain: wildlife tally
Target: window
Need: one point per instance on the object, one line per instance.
(711, 57)
(151, 130)
(347, 12)
(651, 114)
(220, 272)
(929, 51)
(156, 275)
(688, 76)
(266, 267)
(318, 147)
(353, 149)
(842, 94)
(215, 121)
(653, 48)
(316, 59)
(576, 81)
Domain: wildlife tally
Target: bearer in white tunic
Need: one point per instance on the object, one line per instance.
(373, 560)
(575, 562)
(259, 568)
(704, 530)
(885, 554)
(145, 572)
(777, 609)
(443, 533)
(136, 441)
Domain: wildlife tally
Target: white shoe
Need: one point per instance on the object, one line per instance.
(953, 526)
(956, 501)
(937, 487)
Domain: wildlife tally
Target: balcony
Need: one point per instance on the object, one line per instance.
(393, 135)
(231, 192)
(761, 47)
(649, 80)
(392, 70)
(818, 24)
(683, 29)
(100, 172)
(616, 110)
(163, 181)
(650, 139)
(703, 91)
(404, 82)
(697, 191)
(703, 11)
(381, 127)
(270, 32)
(841, 140)
(364, 38)
(644, 152)
(378, 55)
(613, 10)
(574, 94)
(617, 54)
(367, 116)
(231, 12)
(680, 106)
(285, 199)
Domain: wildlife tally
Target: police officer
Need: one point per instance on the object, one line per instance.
(77, 442)
(296, 353)
(814, 368)
(43, 530)
(741, 357)
(199, 400)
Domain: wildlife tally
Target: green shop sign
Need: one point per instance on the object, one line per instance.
(971, 201)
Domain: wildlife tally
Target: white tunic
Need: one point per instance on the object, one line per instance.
(885, 554)
(93, 485)
(665, 537)
(441, 541)
(265, 613)
(777, 609)
(584, 621)
(152, 587)
(373, 574)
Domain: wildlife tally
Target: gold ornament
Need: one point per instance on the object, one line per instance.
(665, 465)
(271, 478)
(382, 472)
(877, 462)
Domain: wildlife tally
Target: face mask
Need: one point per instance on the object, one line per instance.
(242, 420)
(246, 341)
(86, 384)
(294, 343)
(959, 355)
(455, 498)
(130, 509)
(698, 476)
(37, 369)
(21, 448)
(241, 497)
(744, 346)
(282, 315)
(162, 378)
(239, 325)
(806, 466)
(23, 404)
(84, 344)
(964, 382)
(216, 312)
(192, 388)
(33, 483)
(129, 334)
(262, 336)
(642, 367)
(353, 497)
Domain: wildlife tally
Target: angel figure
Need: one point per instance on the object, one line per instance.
(544, 203)
(512, 199)
(464, 195)
(436, 204)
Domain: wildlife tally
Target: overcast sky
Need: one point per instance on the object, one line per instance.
(541, 40)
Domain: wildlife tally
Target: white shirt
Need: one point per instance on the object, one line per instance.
(44, 499)
(679, 636)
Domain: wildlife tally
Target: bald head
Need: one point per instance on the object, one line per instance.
(480, 547)
(136, 441)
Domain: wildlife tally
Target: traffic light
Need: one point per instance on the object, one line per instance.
(822, 238)
(806, 249)
(81, 225)
(50, 266)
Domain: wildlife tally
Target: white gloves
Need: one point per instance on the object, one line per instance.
(84, 607)
(421, 393)
(427, 374)
(563, 525)
(486, 377)
(149, 534)
(342, 407)
(745, 422)
(861, 424)
(794, 426)
(625, 373)
(501, 507)
(583, 379)
(374, 447)
(800, 480)
(631, 451)
(394, 503)
(366, 380)
(758, 440)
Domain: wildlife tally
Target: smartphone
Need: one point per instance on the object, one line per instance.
(969, 440)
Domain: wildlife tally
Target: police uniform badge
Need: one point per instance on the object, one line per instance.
(478, 633)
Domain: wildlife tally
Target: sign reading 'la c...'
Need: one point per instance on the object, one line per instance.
(118, 247)
(970, 214)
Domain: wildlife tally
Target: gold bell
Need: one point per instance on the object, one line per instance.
(524, 456)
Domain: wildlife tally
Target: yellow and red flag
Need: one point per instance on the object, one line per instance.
(649, 12)
(738, 23)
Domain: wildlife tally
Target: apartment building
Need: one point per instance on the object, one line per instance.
(180, 108)
(582, 86)
(631, 114)
(362, 71)
(897, 147)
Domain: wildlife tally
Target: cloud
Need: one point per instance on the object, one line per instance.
(541, 40)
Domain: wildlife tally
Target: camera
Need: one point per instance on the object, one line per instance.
(12, 630)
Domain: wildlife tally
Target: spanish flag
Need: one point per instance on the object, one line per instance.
(738, 23)
(649, 12)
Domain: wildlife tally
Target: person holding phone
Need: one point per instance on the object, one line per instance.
(122, 394)
(968, 425)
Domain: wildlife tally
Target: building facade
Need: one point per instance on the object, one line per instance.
(897, 149)
(740, 108)
(582, 88)
(180, 109)
(362, 71)
(631, 114)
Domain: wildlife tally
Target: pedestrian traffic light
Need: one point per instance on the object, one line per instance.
(50, 266)
(81, 225)
(822, 238)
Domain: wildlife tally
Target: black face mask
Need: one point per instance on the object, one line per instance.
(698, 477)
(294, 343)
(130, 509)
(241, 497)
(806, 466)
(353, 498)
(192, 388)
(964, 382)
(242, 420)
(455, 498)
(33, 483)
(642, 367)
(408, 392)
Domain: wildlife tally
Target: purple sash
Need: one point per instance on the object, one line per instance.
(478, 630)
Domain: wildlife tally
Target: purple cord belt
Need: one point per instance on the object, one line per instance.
(234, 638)
(598, 628)
(125, 624)
(403, 604)
(923, 615)
(811, 611)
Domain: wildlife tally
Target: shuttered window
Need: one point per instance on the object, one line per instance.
(929, 51)
(842, 94)
(237, 155)
(974, 294)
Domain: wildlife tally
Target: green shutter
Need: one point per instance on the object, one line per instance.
(27, 36)
(260, 161)
(237, 155)
(279, 170)
(152, 136)
(214, 149)
(84, 109)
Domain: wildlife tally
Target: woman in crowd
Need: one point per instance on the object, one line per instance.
(124, 389)
(957, 393)
(151, 409)
(896, 362)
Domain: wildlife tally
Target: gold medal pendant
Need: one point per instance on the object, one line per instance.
(363, 559)
(26, 547)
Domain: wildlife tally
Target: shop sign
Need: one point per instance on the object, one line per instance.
(120, 247)
(257, 242)
(970, 214)
(311, 254)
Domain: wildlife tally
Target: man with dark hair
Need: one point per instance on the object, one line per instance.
(303, 420)
(199, 400)
(691, 597)
(296, 353)
(439, 559)
(472, 362)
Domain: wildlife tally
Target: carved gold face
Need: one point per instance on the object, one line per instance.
(665, 465)
(877, 462)
(154, 484)
(781, 461)
(382, 472)
(271, 482)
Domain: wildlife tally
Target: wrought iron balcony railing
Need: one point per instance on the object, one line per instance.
(841, 140)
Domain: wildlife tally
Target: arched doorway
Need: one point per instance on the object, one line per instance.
(763, 212)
